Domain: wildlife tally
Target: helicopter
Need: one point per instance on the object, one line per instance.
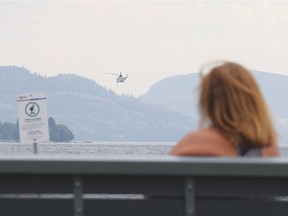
(120, 77)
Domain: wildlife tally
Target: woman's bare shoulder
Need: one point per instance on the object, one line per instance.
(272, 150)
(204, 142)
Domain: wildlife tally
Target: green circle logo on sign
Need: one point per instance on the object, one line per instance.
(32, 109)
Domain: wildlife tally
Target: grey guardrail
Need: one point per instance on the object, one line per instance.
(168, 165)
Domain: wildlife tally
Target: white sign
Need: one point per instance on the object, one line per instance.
(33, 118)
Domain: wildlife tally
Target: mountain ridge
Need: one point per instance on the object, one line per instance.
(185, 100)
(91, 111)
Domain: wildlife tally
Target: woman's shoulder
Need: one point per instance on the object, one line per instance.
(271, 150)
(208, 133)
(207, 136)
(204, 142)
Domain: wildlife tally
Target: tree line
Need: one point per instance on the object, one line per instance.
(58, 132)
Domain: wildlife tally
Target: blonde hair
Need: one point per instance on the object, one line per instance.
(233, 103)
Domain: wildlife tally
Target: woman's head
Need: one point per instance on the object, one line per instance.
(232, 101)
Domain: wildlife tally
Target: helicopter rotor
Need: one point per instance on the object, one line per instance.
(113, 74)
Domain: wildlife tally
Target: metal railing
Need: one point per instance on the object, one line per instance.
(77, 185)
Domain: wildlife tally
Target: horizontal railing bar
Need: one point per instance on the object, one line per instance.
(160, 166)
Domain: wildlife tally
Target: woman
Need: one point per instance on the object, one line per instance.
(236, 115)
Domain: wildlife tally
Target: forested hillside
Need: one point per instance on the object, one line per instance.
(180, 93)
(90, 111)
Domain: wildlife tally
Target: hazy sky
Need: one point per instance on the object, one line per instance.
(149, 40)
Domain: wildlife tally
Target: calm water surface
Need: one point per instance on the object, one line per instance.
(98, 148)
(93, 148)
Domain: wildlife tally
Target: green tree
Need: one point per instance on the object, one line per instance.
(59, 132)
(8, 131)
(52, 129)
(16, 134)
(1, 136)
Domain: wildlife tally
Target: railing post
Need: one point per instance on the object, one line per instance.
(78, 198)
(189, 197)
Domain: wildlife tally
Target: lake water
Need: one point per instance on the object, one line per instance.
(93, 148)
(98, 149)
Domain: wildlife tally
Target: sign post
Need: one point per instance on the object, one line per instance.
(33, 119)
